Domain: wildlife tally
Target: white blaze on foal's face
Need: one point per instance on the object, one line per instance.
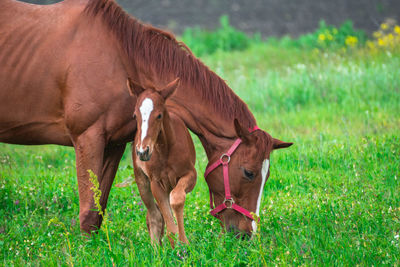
(264, 172)
(145, 110)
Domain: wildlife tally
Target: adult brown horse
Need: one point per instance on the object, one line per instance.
(63, 78)
(164, 159)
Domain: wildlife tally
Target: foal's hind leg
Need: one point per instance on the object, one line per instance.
(177, 201)
(154, 219)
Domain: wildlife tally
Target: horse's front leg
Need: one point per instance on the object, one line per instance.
(92, 154)
(177, 201)
(112, 157)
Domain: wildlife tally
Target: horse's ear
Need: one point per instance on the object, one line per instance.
(277, 144)
(242, 132)
(170, 88)
(134, 88)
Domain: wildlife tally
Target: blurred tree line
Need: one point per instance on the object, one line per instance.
(268, 17)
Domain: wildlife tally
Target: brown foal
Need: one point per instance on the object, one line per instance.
(163, 158)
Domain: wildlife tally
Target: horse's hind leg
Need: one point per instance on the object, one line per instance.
(177, 201)
(154, 219)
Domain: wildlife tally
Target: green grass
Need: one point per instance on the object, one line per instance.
(332, 199)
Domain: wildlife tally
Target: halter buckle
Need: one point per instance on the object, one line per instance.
(230, 201)
(228, 158)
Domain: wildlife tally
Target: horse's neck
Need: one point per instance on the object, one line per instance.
(203, 101)
(198, 115)
(214, 132)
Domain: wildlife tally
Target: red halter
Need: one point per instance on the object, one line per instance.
(228, 202)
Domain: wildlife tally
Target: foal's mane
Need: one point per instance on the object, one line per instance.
(147, 44)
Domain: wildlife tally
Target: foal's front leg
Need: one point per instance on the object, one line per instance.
(177, 201)
(154, 219)
(163, 202)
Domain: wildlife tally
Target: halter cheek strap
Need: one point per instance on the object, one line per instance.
(228, 202)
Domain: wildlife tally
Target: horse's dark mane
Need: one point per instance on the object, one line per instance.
(144, 43)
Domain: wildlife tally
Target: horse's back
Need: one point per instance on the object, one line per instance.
(13, 10)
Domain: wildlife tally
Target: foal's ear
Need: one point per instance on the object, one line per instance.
(242, 132)
(277, 144)
(134, 88)
(170, 88)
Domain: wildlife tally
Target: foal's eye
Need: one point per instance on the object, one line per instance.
(159, 116)
(248, 174)
(134, 116)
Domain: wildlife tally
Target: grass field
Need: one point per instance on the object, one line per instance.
(333, 198)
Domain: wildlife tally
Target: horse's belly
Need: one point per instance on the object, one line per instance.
(34, 133)
(31, 114)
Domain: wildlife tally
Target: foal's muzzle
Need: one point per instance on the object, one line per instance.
(144, 155)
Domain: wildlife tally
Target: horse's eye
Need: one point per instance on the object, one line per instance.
(134, 116)
(248, 174)
(159, 116)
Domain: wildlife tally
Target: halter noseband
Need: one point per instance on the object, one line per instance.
(228, 202)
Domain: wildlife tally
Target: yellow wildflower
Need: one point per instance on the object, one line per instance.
(351, 41)
(384, 26)
(330, 37)
(321, 37)
(381, 42)
(397, 29)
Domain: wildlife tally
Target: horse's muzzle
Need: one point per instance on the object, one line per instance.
(238, 233)
(145, 155)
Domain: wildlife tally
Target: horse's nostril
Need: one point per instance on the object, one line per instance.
(240, 234)
(245, 236)
(144, 155)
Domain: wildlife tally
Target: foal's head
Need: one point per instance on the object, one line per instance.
(248, 171)
(150, 112)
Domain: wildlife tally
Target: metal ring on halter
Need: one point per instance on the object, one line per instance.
(231, 201)
(227, 161)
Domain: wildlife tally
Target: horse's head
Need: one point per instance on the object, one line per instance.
(247, 169)
(149, 112)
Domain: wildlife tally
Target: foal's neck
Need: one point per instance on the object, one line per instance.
(166, 138)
